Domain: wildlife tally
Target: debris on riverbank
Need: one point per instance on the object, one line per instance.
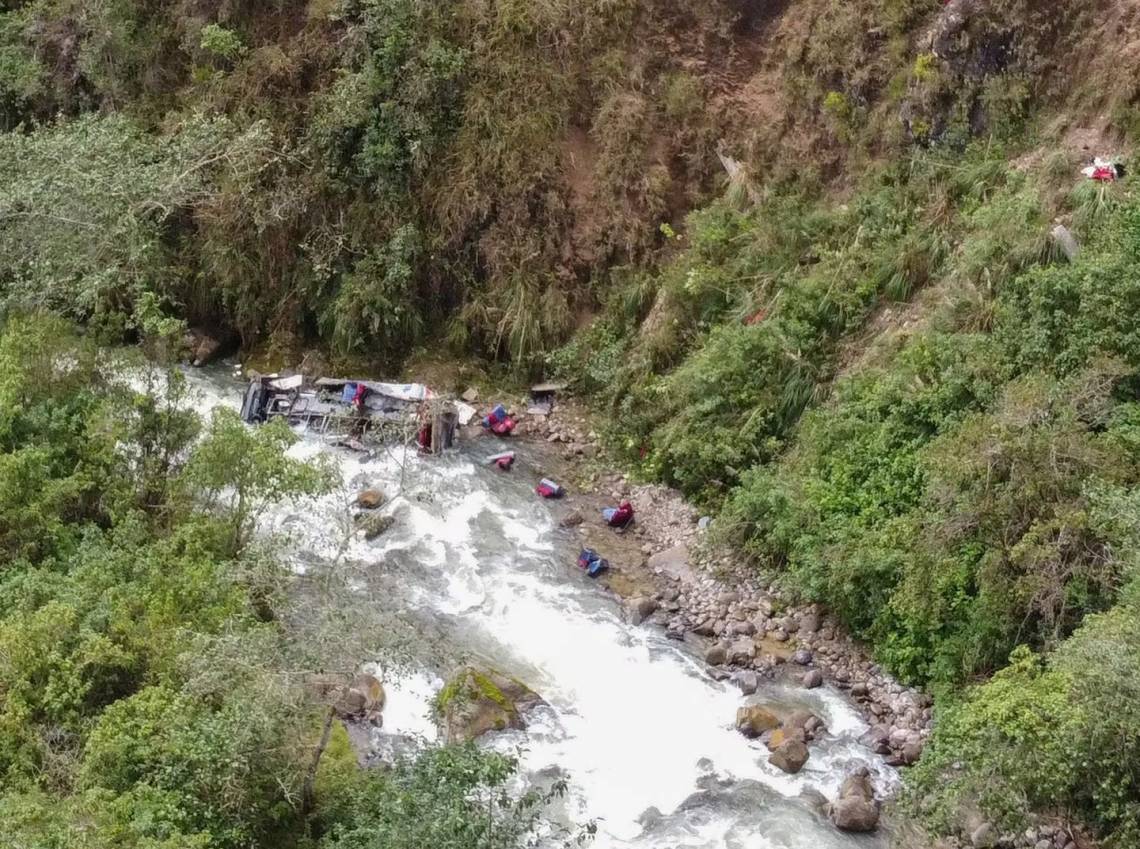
(672, 576)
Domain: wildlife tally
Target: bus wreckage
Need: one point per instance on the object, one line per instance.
(355, 413)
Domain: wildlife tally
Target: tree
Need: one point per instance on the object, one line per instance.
(447, 798)
(242, 471)
(86, 205)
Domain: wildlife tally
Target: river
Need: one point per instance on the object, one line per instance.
(633, 721)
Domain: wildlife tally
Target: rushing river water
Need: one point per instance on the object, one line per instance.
(635, 723)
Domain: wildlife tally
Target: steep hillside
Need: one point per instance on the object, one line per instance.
(374, 173)
(799, 250)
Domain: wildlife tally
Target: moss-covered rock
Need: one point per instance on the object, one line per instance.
(374, 524)
(476, 701)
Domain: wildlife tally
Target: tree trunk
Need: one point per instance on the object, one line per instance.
(308, 790)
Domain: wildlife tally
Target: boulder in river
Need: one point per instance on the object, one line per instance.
(716, 655)
(370, 499)
(639, 609)
(855, 809)
(747, 681)
(754, 720)
(783, 734)
(374, 524)
(812, 678)
(790, 756)
(476, 701)
(854, 814)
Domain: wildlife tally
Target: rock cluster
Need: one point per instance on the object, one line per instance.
(980, 834)
(750, 628)
(738, 623)
(785, 738)
(204, 346)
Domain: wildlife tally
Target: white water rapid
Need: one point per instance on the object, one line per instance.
(636, 725)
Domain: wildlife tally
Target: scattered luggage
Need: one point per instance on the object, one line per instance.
(549, 489)
(1104, 171)
(498, 422)
(620, 517)
(592, 562)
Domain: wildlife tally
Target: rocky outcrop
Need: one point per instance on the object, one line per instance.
(705, 591)
(856, 809)
(806, 639)
(753, 720)
(476, 701)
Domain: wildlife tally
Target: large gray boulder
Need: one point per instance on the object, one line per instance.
(856, 815)
(747, 681)
(716, 655)
(856, 809)
(673, 562)
(741, 652)
(639, 609)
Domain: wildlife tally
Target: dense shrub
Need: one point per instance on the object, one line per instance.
(152, 656)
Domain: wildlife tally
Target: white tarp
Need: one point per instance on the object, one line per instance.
(466, 412)
(293, 382)
(401, 391)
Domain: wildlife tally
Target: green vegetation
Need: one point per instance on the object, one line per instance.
(959, 486)
(152, 652)
(863, 352)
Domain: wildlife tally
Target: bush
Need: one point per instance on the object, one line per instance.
(1057, 734)
(221, 43)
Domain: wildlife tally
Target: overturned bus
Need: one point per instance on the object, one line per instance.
(358, 409)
